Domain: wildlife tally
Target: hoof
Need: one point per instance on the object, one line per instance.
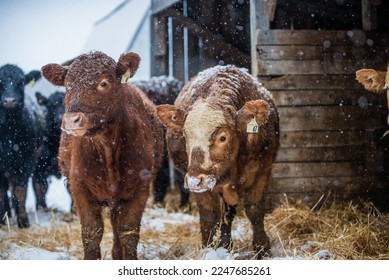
(23, 223)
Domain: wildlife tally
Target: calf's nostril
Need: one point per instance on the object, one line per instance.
(76, 119)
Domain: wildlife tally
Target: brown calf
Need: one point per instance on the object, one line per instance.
(111, 147)
(223, 132)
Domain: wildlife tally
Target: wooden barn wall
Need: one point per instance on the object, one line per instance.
(218, 34)
(331, 128)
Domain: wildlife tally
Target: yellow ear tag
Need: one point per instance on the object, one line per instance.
(252, 126)
(126, 76)
(31, 83)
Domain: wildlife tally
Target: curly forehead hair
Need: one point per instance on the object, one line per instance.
(86, 68)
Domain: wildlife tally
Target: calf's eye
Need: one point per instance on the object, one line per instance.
(103, 85)
(222, 138)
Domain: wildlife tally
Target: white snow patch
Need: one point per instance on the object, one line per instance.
(218, 254)
(57, 196)
(157, 219)
(18, 253)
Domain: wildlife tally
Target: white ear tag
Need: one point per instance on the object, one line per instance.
(252, 126)
(126, 76)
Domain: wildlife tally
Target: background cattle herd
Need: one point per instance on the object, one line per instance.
(112, 143)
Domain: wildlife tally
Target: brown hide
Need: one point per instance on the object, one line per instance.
(111, 147)
(208, 140)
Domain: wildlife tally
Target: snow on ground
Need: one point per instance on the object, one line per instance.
(58, 198)
(165, 234)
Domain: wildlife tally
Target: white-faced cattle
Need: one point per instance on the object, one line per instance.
(17, 141)
(110, 149)
(223, 132)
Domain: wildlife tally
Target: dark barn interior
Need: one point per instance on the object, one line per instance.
(306, 53)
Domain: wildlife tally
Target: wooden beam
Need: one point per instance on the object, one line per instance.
(159, 48)
(199, 30)
(369, 14)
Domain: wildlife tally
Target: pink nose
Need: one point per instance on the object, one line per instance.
(75, 123)
(72, 120)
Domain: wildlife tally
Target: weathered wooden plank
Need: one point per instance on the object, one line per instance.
(369, 15)
(300, 82)
(263, 14)
(311, 200)
(326, 38)
(315, 154)
(319, 118)
(178, 45)
(309, 52)
(326, 169)
(360, 98)
(314, 67)
(294, 139)
(323, 184)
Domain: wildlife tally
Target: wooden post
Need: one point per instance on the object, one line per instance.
(159, 48)
(369, 14)
(261, 13)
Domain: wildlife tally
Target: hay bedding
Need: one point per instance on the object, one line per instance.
(296, 232)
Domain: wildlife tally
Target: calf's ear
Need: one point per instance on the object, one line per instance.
(42, 100)
(55, 74)
(127, 65)
(257, 110)
(170, 116)
(371, 79)
(32, 77)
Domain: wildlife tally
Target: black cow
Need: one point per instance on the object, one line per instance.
(164, 90)
(47, 158)
(17, 141)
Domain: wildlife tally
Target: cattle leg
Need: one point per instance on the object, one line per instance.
(40, 186)
(19, 196)
(4, 201)
(225, 230)
(126, 219)
(209, 205)
(256, 215)
(92, 224)
(161, 182)
(184, 192)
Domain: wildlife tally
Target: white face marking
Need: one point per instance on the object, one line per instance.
(200, 123)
